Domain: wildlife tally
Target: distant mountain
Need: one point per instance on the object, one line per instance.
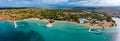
(93, 8)
(2, 8)
(111, 11)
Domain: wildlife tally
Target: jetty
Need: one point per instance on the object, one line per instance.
(15, 24)
(49, 25)
(92, 29)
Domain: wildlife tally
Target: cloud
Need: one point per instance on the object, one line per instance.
(58, 3)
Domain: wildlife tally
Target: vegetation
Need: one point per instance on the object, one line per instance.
(54, 14)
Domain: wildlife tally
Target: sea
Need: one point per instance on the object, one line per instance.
(34, 30)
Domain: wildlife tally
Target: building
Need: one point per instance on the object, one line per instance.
(82, 20)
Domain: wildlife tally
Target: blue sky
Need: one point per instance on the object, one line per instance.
(58, 3)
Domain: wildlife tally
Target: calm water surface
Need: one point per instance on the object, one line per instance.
(61, 31)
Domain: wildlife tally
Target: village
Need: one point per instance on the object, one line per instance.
(82, 17)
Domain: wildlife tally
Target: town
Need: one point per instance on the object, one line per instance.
(83, 17)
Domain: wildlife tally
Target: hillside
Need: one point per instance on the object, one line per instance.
(70, 15)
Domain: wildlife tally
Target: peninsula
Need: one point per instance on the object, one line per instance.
(83, 17)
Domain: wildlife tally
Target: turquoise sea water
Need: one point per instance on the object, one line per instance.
(61, 31)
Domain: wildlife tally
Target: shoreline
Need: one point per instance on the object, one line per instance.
(90, 26)
(50, 24)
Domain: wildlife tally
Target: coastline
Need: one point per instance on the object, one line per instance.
(82, 18)
(87, 24)
(51, 24)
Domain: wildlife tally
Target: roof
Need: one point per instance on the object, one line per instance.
(82, 19)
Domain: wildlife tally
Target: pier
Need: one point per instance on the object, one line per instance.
(92, 29)
(49, 25)
(15, 24)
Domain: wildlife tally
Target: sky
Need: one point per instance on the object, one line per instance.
(58, 3)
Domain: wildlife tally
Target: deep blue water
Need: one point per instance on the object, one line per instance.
(61, 31)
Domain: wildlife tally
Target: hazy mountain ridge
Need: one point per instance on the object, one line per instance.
(111, 11)
(2, 8)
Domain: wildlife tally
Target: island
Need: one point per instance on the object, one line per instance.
(82, 17)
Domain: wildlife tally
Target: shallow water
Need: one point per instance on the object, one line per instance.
(61, 31)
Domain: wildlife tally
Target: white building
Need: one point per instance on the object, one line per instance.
(82, 20)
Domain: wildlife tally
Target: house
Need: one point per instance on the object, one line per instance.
(97, 22)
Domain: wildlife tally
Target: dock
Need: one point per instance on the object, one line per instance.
(15, 24)
(96, 31)
(90, 29)
(49, 25)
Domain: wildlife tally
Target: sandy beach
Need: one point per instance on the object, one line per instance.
(106, 25)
